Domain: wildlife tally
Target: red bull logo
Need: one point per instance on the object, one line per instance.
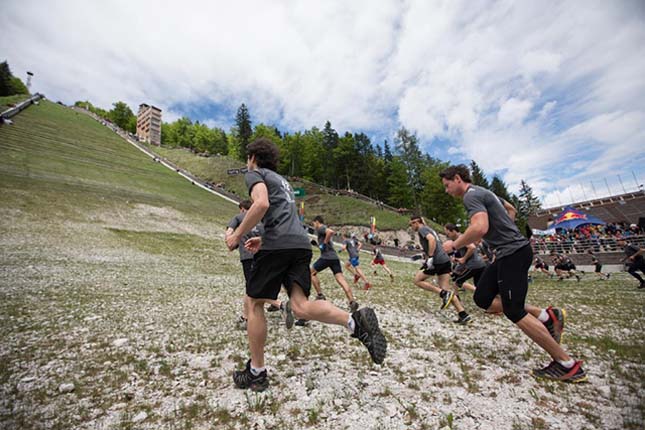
(567, 216)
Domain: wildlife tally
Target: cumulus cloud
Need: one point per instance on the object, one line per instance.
(550, 92)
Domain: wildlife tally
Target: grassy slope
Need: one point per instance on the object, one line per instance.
(98, 243)
(337, 210)
(7, 100)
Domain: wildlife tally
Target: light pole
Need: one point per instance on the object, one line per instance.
(29, 75)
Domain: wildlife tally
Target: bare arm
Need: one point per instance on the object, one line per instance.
(432, 244)
(470, 250)
(476, 230)
(329, 233)
(254, 215)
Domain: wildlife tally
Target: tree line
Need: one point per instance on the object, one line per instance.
(397, 173)
(9, 84)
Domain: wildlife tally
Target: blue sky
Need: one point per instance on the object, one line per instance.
(551, 92)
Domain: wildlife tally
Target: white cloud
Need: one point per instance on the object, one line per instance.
(545, 91)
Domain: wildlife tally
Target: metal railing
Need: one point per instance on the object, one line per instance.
(578, 246)
(21, 106)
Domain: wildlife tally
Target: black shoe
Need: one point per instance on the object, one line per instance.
(465, 320)
(245, 379)
(446, 298)
(557, 372)
(608, 275)
(287, 313)
(353, 306)
(321, 296)
(555, 323)
(641, 286)
(273, 308)
(368, 332)
(301, 323)
(578, 278)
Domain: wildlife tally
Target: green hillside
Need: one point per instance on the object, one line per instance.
(337, 210)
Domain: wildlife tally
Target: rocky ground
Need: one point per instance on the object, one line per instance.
(125, 319)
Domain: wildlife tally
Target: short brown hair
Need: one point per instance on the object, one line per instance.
(245, 204)
(460, 169)
(417, 218)
(266, 153)
(451, 227)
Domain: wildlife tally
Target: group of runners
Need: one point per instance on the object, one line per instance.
(276, 253)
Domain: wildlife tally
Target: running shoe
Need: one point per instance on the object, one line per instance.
(273, 308)
(368, 332)
(287, 313)
(321, 296)
(557, 372)
(353, 306)
(446, 298)
(641, 286)
(608, 275)
(367, 286)
(392, 278)
(465, 320)
(301, 323)
(356, 278)
(555, 323)
(578, 278)
(245, 379)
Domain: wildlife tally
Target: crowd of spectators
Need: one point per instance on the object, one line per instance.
(598, 238)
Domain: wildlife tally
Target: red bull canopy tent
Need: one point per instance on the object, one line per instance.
(571, 218)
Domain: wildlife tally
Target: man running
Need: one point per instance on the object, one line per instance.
(563, 266)
(246, 258)
(353, 247)
(507, 275)
(282, 258)
(469, 264)
(380, 261)
(597, 266)
(540, 264)
(634, 260)
(437, 264)
(329, 259)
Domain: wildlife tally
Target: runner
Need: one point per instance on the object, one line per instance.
(564, 267)
(282, 257)
(353, 247)
(507, 275)
(634, 260)
(542, 266)
(246, 258)
(380, 261)
(597, 266)
(468, 263)
(329, 259)
(437, 263)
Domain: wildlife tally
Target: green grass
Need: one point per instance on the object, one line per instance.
(336, 210)
(7, 100)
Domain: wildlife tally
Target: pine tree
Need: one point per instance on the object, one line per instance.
(498, 187)
(407, 145)
(330, 142)
(244, 130)
(529, 204)
(477, 175)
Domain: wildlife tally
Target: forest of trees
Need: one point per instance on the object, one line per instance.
(396, 173)
(9, 84)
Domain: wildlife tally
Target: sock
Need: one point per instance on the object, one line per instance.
(568, 364)
(351, 325)
(257, 371)
(543, 317)
(463, 314)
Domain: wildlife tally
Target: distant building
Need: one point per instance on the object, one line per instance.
(149, 124)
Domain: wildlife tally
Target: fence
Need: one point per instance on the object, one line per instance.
(20, 106)
(580, 246)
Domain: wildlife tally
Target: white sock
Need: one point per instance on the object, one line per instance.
(351, 325)
(543, 317)
(568, 364)
(257, 371)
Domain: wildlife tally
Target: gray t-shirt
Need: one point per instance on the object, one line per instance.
(352, 247)
(474, 262)
(503, 235)
(282, 226)
(258, 230)
(329, 253)
(439, 254)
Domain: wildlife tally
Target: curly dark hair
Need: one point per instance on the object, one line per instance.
(461, 169)
(266, 153)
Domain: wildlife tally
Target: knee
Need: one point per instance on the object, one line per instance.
(481, 300)
(514, 313)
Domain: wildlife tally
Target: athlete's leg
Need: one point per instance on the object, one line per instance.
(256, 330)
(360, 273)
(315, 281)
(444, 283)
(420, 281)
(468, 286)
(317, 310)
(340, 279)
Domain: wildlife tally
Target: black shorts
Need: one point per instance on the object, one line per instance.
(273, 269)
(566, 267)
(598, 268)
(476, 274)
(506, 276)
(439, 269)
(247, 267)
(323, 263)
(542, 266)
